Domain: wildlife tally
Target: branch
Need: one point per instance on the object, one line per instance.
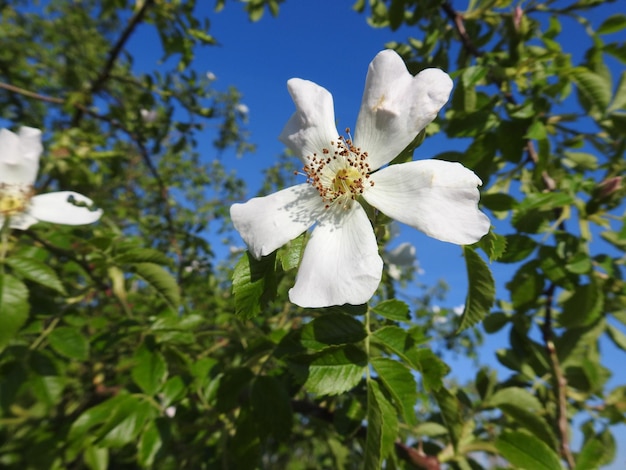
(114, 53)
(407, 453)
(459, 25)
(30, 94)
(560, 382)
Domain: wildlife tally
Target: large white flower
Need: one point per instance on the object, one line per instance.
(19, 163)
(341, 263)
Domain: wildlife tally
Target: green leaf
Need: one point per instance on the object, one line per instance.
(400, 384)
(593, 86)
(96, 458)
(618, 338)
(271, 407)
(69, 342)
(451, 413)
(142, 255)
(14, 308)
(495, 322)
(254, 284)
(36, 271)
(382, 427)
(149, 444)
(149, 371)
(525, 409)
(619, 99)
(290, 255)
(613, 24)
(518, 247)
(336, 370)
(591, 456)
(523, 450)
(493, 245)
(584, 306)
(161, 281)
(481, 292)
(332, 329)
(393, 310)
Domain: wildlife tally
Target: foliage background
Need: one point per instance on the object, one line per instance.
(125, 344)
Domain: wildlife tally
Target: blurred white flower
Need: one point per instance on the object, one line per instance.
(148, 116)
(211, 76)
(19, 163)
(458, 310)
(242, 109)
(170, 411)
(400, 259)
(341, 263)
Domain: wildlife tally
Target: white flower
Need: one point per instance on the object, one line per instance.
(19, 163)
(148, 115)
(399, 259)
(211, 76)
(459, 310)
(341, 263)
(242, 109)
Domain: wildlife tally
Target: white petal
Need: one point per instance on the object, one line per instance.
(396, 106)
(19, 221)
(439, 198)
(267, 223)
(19, 156)
(57, 208)
(341, 264)
(312, 127)
(30, 143)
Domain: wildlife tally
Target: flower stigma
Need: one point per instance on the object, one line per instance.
(14, 198)
(340, 174)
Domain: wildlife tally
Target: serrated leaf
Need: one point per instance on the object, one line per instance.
(69, 342)
(523, 450)
(142, 255)
(290, 255)
(584, 306)
(593, 86)
(14, 308)
(400, 384)
(36, 271)
(332, 329)
(518, 247)
(393, 310)
(382, 427)
(619, 99)
(493, 245)
(336, 370)
(149, 371)
(161, 281)
(254, 284)
(481, 290)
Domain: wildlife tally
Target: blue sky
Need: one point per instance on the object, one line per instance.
(327, 42)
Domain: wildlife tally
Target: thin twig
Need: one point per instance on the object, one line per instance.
(114, 53)
(30, 94)
(459, 25)
(560, 382)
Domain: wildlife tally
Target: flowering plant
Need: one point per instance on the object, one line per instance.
(345, 178)
(19, 163)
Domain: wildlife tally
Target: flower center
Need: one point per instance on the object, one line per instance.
(14, 198)
(340, 173)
